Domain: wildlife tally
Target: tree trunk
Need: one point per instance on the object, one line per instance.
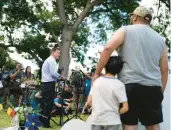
(64, 60)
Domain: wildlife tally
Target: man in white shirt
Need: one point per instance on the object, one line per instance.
(49, 78)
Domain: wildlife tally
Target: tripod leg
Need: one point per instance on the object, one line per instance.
(80, 118)
(54, 121)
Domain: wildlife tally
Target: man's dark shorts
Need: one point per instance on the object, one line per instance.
(144, 105)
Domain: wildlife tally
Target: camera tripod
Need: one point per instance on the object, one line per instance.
(61, 122)
(76, 116)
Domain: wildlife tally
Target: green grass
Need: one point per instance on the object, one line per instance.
(5, 121)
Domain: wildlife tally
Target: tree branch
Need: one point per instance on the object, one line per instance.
(10, 35)
(56, 39)
(166, 2)
(7, 46)
(89, 6)
(158, 7)
(61, 10)
(76, 53)
(76, 14)
(109, 9)
(33, 54)
(36, 30)
(53, 35)
(99, 11)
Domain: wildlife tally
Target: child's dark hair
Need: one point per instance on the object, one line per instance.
(114, 65)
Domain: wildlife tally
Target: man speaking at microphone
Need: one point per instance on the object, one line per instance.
(49, 78)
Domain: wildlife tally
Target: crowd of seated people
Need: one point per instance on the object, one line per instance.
(63, 99)
(14, 79)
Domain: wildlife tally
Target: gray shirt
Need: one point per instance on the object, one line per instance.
(141, 52)
(49, 70)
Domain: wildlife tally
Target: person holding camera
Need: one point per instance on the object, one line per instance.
(16, 75)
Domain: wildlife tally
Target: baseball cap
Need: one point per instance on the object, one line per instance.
(143, 12)
(59, 94)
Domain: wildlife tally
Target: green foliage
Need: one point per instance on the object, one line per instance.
(15, 13)
(3, 57)
(162, 24)
(81, 43)
(36, 46)
(10, 64)
(1, 38)
(40, 27)
(5, 61)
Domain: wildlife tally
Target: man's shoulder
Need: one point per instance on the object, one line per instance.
(56, 100)
(137, 26)
(12, 71)
(47, 60)
(132, 27)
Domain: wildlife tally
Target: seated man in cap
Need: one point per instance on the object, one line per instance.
(67, 94)
(61, 103)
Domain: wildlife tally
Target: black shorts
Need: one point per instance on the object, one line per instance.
(144, 105)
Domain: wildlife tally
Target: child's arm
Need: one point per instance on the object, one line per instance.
(124, 108)
(88, 103)
(89, 100)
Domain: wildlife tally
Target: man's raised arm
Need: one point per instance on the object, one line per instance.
(115, 42)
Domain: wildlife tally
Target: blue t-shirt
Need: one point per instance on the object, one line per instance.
(87, 87)
(18, 76)
(57, 100)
